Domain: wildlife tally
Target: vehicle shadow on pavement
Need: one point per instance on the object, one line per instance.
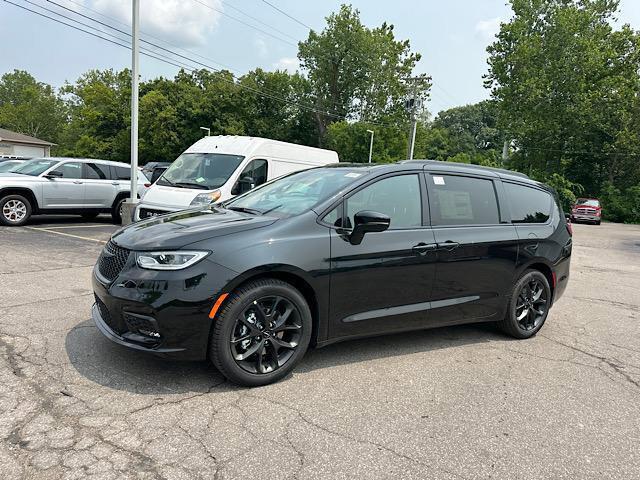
(62, 220)
(114, 366)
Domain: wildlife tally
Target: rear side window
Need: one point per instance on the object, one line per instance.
(97, 171)
(457, 200)
(121, 173)
(528, 205)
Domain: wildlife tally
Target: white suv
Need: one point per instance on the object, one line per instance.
(85, 187)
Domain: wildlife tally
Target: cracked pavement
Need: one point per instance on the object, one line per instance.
(463, 402)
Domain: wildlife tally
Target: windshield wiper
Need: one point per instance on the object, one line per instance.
(271, 209)
(252, 211)
(162, 179)
(192, 184)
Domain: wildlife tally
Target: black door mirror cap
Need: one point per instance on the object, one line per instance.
(367, 221)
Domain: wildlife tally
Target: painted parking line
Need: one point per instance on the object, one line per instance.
(76, 226)
(66, 234)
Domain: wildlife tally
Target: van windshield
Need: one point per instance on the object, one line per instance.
(205, 171)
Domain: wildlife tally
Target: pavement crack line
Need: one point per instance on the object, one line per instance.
(380, 446)
(615, 366)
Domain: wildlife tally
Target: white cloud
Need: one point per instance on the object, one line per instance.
(261, 47)
(184, 24)
(487, 29)
(290, 64)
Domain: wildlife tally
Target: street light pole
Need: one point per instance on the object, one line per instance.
(206, 129)
(370, 145)
(135, 66)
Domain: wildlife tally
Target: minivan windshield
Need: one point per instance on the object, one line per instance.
(205, 171)
(296, 193)
(34, 167)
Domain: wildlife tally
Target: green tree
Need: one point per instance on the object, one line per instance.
(30, 107)
(566, 84)
(355, 71)
(351, 141)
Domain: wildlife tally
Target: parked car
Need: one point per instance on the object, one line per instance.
(85, 187)
(151, 167)
(215, 169)
(334, 253)
(587, 210)
(8, 165)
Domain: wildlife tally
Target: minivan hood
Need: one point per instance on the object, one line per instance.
(178, 229)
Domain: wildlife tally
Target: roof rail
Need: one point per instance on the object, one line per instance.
(468, 165)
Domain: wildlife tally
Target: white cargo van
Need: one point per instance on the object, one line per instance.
(217, 168)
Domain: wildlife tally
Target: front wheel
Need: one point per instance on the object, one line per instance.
(528, 307)
(15, 210)
(261, 333)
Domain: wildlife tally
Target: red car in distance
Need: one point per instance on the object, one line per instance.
(587, 210)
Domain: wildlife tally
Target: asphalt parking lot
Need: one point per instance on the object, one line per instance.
(463, 402)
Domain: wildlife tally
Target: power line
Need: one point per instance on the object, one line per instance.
(244, 23)
(255, 19)
(287, 15)
(254, 90)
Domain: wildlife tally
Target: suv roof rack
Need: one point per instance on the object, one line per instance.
(468, 165)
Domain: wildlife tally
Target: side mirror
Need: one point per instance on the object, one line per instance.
(367, 221)
(54, 174)
(244, 184)
(567, 217)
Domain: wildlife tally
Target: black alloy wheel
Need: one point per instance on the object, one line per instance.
(260, 333)
(531, 305)
(528, 307)
(266, 334)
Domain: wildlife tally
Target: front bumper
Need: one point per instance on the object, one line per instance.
(581, 217)
(161, 312)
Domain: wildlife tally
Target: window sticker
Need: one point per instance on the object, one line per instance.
(200, 179)
(438, 180)
(353, 175)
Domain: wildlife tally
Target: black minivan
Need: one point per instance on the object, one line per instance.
(334, 253)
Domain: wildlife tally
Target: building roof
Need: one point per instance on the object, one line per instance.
(9, 136)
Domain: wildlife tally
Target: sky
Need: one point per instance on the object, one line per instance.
(451, 35)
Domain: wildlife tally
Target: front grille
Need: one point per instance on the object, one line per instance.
(112, 260)
(150, 212)
(106, 316)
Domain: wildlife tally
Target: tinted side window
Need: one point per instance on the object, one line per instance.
(257, 169)
(528, 205)
(96, 171)
(70, 170)
(457, 200)
(121, 173)
(398, 197)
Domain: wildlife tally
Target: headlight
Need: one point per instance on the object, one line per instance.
(169, 260)
(206, 198)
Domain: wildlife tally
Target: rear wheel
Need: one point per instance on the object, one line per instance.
(261, 333)
(117, 210)
(528, 306)
(15, 210)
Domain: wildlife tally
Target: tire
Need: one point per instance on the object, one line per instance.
(15, 210)
(90, 215)
(598, 222)
(243, 350)
(535, 312)
(116, 210)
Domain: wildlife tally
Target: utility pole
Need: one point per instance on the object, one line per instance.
(505, 152)
(412, 104)
(206, 129)
(135, 67)
(370, 145)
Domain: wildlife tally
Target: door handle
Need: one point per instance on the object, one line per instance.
(449, 245)
(77, 182)
(422, 248)
(115, 183)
